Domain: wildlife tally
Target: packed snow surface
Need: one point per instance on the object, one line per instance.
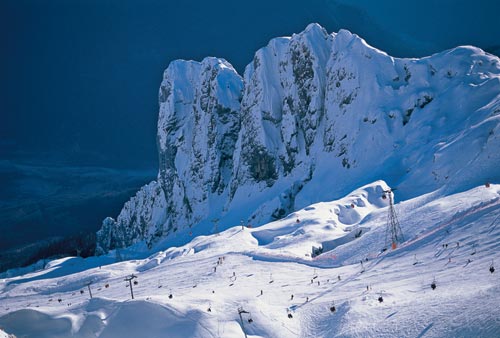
(270, 275)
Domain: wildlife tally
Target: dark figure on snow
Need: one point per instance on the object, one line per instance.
(291, 297)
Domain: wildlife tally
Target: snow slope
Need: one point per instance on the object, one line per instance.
(451, 239)
(314, 116)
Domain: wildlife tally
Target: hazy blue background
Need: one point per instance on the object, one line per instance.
(79, 82)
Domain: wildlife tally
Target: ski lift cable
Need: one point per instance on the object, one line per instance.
(279, 319)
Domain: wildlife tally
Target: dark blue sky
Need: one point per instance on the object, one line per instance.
(79, 82)
(79, 78)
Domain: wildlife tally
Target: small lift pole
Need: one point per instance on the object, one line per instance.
(240, 311)
(129, 280)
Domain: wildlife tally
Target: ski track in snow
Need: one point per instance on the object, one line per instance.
(463, 305)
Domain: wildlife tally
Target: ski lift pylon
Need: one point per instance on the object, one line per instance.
(394, 234)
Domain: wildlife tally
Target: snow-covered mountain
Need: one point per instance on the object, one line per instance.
(314, 116)
(268, 275)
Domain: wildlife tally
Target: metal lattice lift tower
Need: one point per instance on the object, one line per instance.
(393, 228)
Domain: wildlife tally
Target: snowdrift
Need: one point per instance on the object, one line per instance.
(270, 276)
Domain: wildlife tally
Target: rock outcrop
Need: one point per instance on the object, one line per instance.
(314, 115)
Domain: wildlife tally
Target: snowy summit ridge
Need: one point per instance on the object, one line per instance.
(314, 116)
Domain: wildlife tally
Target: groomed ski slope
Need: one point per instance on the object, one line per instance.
(452, 240)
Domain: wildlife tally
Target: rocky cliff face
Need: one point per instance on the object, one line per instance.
(198, 127)
(315, 115)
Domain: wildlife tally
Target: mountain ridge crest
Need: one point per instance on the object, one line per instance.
(313, 116)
